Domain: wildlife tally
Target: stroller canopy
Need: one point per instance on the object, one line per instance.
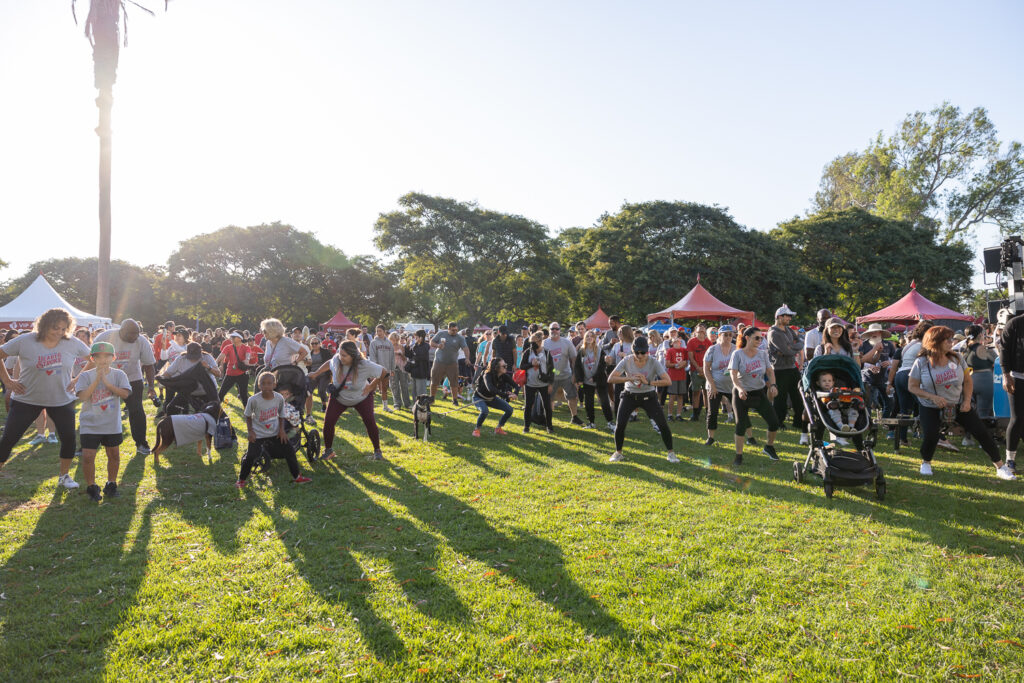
(292, 378)
(833, 362)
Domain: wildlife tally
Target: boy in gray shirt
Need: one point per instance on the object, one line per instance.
(101, 390)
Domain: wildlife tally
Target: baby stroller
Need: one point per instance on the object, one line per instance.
(291, 378)
(835, 466)
(192, 389)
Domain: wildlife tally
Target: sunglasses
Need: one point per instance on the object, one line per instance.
(756, 337)
(641, 353)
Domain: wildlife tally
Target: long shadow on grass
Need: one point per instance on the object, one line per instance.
(538, 564)
(322, 542)
(69, 585)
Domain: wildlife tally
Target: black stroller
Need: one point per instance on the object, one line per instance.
(192, 390)
(835, 466)
(291, 378)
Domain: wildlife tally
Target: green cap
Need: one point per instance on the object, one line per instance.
(102, 347)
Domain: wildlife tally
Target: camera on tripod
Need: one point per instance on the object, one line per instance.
(1008, 259)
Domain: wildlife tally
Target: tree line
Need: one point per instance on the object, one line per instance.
(898, 211)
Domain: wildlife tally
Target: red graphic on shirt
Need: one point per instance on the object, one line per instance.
(948, 375)
(120, 358)
(49, 362)
(268, 416)
(754, 367)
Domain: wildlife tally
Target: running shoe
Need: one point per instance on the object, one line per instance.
(751, 441)
(769, 450)
(944, 443)
(577, 421)
(709, 441)
(301, 480)
(738, 460)
(93, 492)
(37, 440)
(805, 439)
(328, 454)
(611, 425)
(143, 449)
(1011, 465)
(1006, 473)
(672, 457)
(110, 490)
(67, 482)
(52, 438)
(616, 457)
(498, 431)
(476, 432)
(926, 469)
(377, 455)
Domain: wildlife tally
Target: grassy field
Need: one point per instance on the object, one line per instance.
(524, 557)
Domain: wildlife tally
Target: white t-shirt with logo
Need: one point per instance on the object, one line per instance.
(129, 356)
(719, 363)
(563, 354)
(265, 414)
(101, 414)
(45, 372)
(351, 393)
(946, 381)
(751, 369)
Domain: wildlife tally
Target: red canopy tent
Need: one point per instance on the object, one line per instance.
(699, 304)
(599, 320)
(339, 323)
(910, 309)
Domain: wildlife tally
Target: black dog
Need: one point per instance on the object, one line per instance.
(421, 414)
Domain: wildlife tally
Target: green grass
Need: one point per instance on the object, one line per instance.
(527, 558)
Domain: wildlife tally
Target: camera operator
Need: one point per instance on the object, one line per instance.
(1011, 359)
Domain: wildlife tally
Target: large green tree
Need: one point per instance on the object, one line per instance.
(945, 169)
(135, 292)
(238, 276)
(648, 255)
(865, 261)
(464, 262)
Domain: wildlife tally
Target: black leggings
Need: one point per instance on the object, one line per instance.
(647, 400)
(758, 400)
(531, 392)
(1015, 428)
(931, 425)
(136, 413)
(588, 402)
(788, 381)
(275, 449)
(241, 381)
(714, 405)
(22, 416)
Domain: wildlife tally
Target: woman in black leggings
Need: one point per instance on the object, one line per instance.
(749, 367)
(941, 383)
(641, 375)
(47, 358)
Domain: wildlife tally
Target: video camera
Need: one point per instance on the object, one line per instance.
(1007, 258)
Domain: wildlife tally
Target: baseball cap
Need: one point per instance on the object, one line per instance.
(102, 347)
(726, 329)
(784, 310)
(640, 345)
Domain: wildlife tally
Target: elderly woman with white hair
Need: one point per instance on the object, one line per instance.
(279, 348)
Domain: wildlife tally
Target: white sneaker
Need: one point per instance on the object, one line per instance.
(672, 457)
(52, 438)
(805, 439)
(611, 425)
(388, 409)
(67, 482)
(948, 446)
(1006, 473)
(37, 440)
(967, 441)
(616, 457)
(926, 469)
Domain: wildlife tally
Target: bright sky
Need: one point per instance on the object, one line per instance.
(321, 113)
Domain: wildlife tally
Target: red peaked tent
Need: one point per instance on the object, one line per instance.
(910, 309)
(699, 304)
(339, 323)
(599, 320)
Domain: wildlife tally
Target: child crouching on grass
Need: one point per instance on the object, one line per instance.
(265, 420)
(101, 390)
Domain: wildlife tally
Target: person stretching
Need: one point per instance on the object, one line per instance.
(492, 390)
(642, 376)
(353, 381)
(264, 420)
(748, 366)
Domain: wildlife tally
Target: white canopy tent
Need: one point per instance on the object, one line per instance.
(37, 298)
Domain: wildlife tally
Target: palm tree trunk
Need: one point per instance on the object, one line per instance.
(105, 103)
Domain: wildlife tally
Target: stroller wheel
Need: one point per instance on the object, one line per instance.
(829, 489)
(313, 445)
(798, 472)
(880, 488)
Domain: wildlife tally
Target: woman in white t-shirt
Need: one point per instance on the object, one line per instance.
(353, 381)
(940, 380)
(46, 359)
(753, 380)
(279, 349)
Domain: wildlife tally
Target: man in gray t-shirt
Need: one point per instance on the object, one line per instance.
(133, 354)
(446, 360)
(382, 352)
(563, 355)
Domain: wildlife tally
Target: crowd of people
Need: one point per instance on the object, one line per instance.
(57, 372)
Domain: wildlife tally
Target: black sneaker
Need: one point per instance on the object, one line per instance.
(710, 440)
(110, 490)
(751, 441)
(577, 421)
(671, 418)
(738, 460)
(94, 492)
(769, 450)
(695, 417)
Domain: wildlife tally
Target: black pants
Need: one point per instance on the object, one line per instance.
(758, 400)
(714, 405)
(136, 413)
(588, 402)
(616, 397)
(648, 400)
(275, 449)
(788, 383)
(22, 416)
(240, 381)
(931, 425)
(1015, 428)
(531, 393)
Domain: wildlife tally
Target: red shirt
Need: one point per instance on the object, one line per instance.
(697, 348)
(231, 359)
(329, 344)
(672, 356)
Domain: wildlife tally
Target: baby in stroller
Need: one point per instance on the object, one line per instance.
(843, 403)
(294, 387)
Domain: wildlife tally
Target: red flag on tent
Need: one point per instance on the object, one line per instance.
(913, 284)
